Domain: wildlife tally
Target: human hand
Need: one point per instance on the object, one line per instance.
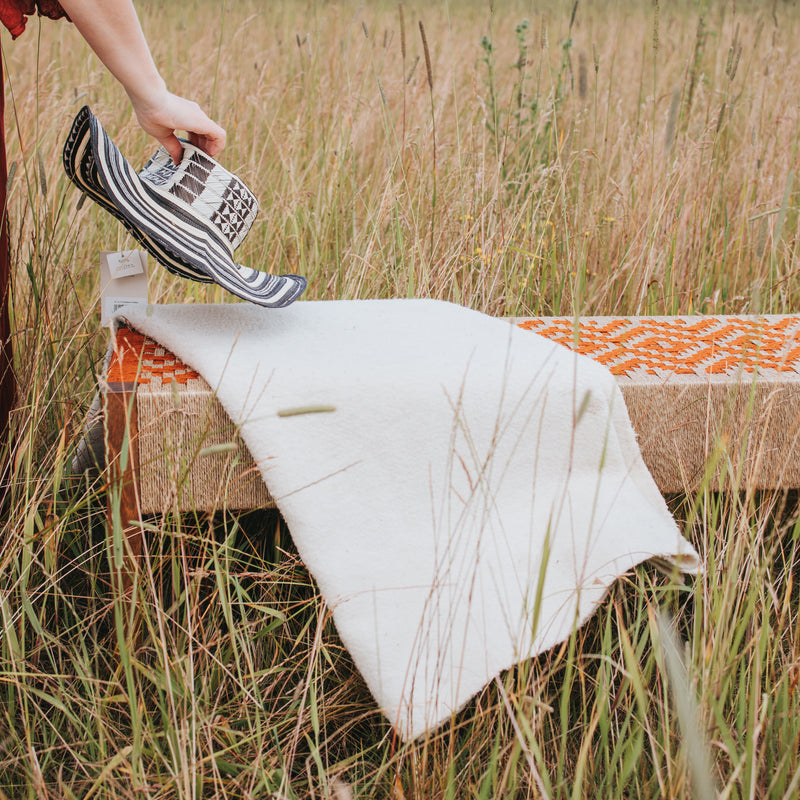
(162, 115)
(112, 29)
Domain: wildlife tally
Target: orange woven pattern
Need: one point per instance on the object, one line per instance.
(141, 360)
(709, 345)
(625, 345)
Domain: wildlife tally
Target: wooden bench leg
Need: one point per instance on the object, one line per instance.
(122, 460)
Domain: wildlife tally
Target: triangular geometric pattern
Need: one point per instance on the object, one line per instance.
(169, 208)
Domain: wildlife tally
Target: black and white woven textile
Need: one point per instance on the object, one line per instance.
(190, 216)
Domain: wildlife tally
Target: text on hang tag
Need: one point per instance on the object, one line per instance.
(125, 263)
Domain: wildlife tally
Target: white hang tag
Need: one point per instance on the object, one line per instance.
(125, 263)
(123, 280)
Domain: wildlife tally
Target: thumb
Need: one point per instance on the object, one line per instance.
(173, 147)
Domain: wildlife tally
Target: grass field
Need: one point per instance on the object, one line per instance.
(540, 158)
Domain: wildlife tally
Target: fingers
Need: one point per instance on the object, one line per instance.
(207, 143)
(171, 113)
(173, 147)
(202, 130)
(211, 143)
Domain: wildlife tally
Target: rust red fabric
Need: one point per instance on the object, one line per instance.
(6, 372)
(14, 13)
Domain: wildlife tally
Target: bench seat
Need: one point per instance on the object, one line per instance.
(715, 401)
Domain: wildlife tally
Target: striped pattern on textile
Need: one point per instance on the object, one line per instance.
(192, 234)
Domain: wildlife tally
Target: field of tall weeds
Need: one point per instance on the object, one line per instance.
(520, 158)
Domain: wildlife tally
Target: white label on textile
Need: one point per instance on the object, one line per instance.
(123, 280)
(110, 306)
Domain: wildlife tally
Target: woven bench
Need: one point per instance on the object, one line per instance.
(715, 401)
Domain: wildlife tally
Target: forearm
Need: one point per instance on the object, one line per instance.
(113, 31)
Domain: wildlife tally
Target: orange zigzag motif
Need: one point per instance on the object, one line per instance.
(680, 345)
(699, 346)
(138, 359)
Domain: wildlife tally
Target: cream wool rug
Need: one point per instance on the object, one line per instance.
(463, 491)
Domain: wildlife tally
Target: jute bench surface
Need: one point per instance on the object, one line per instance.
(188, 455)
(721, 390)
(712, 399)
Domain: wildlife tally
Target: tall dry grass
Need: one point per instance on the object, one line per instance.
(610, 158)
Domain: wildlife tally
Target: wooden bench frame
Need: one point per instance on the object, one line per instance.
(120, 420)
(734, 413)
